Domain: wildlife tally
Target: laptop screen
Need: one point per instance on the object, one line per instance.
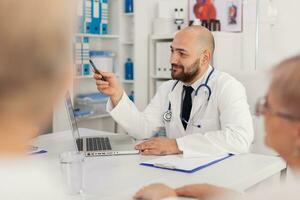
(72, 119)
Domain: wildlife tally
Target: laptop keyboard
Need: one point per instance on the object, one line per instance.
(79, 143)
(98, 144)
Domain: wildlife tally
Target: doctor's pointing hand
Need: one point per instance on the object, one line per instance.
(108, 84)
(203, 111)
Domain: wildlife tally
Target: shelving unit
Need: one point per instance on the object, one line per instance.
(161, 37)
(118, 41)
(127, 81)
(129, 14)
(153, 39)
(125, 49)
(84, 77)
(86, 84)
(128, 37)
(96, 36)
(126, 45)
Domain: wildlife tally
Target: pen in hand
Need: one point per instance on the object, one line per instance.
(96, 70)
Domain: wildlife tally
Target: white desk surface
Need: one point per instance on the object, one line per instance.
(119, 177)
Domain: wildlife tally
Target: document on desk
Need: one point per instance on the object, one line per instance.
(187, 165)
(33, 150)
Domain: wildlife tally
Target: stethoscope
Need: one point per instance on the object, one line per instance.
(167, 116)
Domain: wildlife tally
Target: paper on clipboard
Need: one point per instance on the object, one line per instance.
(188, 165)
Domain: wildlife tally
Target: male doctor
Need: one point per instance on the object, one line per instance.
(203, 111)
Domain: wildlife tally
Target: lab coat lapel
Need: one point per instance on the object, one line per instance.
(198, 103)
(175, 99)
(201, 98)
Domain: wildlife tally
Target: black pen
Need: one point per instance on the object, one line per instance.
(96, 70)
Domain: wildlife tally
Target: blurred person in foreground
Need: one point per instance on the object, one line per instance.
(281, 110)
(35, 72)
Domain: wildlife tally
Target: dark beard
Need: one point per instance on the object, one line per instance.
(187, 77)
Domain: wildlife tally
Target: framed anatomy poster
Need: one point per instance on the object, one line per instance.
(228, 12)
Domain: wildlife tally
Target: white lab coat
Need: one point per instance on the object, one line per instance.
(226, 123)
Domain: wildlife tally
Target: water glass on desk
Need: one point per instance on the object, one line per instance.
(72, 164)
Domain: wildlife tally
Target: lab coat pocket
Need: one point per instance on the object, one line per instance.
(206, 125)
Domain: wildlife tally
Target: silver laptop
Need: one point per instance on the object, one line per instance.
(118, 144)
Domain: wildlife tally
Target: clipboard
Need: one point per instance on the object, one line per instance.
(186, 165)
(33, 150)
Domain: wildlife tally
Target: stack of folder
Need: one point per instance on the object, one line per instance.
(80, 19)
(88, 16)
(86, 70)
(82, 55)
(92, 16)
(104, 17)
(78, 56)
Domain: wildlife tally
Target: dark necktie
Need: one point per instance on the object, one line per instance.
(186, 105)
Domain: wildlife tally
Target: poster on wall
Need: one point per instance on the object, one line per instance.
(228, 12)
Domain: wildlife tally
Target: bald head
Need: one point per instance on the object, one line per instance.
(285, 84)
(198, 36)
(191, 53)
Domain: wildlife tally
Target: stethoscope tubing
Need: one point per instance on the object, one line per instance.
(167, 116)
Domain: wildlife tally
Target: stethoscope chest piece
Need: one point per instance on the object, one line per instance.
(167, 116)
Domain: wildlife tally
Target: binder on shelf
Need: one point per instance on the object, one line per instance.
(95, 27)
(78, 55)
(104, 17)
(78, 51)
(186, 165)
(163, 53)
(88, 16)
(85, 57)
(80, 17)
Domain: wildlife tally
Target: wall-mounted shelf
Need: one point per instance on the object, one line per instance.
(97, 36)
(162, 37)
(84, 77)
(127, 81)
(129, 14)
(128, 43)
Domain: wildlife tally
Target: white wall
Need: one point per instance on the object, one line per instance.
(278, 39)
(276, 42)
(145, 11)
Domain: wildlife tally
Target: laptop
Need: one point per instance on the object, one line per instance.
(117, 144)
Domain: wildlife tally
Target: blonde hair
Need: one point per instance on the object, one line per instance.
(286, 84)
(35, 53)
